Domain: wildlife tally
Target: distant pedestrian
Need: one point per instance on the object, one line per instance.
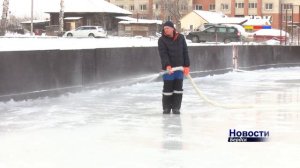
(173, 52)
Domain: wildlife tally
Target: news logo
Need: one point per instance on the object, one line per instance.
(248, 136)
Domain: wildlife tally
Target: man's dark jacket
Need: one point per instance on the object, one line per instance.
(173, 52)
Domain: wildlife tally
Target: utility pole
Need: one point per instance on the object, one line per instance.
(61, 17)
(31, 25)
(280, 22)
(4, 17)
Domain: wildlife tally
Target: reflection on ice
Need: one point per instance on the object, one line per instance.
(172, 132)
(124, 127)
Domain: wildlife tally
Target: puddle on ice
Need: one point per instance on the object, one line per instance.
(124, 127)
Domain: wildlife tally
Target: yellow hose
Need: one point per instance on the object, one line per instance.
(206, 99)
(233, 106)
(239, 106)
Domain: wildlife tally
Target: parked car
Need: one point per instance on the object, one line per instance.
(87, 31)
(215, 33)
(245, 36)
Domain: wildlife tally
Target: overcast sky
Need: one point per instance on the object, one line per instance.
(23, 7)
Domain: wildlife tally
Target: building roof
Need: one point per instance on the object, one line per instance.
(72, 18)
(215, 17)
(35, 21)
(209, 16)
(87, 6)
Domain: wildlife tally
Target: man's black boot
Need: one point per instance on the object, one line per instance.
(167, 104)
(176, 111)
(176, 103)
(167, 111)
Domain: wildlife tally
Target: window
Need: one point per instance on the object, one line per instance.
(221, 29)
(252, 5)
(211, 30)
(231, 30)
(79, 28)
(212, 7)
(239, 5)
(287, 18)
(143, 7)
(198, 7)
(287, 6)
(131, 7)
(268, 6)
(224, 6)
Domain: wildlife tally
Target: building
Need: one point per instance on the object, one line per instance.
(138, 27)
(80, 12)
(197, 18)
(141, 9)
(39, 26)
(266, 9)
(156, 9)
(206, 5)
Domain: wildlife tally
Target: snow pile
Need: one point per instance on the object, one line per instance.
(270, 32)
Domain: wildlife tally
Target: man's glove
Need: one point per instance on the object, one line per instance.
(186, 70)
(169, 69)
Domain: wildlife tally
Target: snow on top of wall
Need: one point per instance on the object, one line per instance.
(14, 42)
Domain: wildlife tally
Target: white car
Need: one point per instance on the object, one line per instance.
(87, 31)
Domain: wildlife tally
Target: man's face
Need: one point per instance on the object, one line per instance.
(168, 30)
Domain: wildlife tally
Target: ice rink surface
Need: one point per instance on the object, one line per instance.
(123, 126)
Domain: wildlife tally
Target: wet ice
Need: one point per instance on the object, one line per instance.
(124, 127)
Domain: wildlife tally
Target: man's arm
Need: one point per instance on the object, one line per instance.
(185, 53)
(163, 53)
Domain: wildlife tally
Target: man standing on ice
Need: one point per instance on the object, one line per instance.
(173, 52)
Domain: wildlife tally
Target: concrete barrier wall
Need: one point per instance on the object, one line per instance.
(213, 59)
(255, 57)
(30, 74)
(27, 71)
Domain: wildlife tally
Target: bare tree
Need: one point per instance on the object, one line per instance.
(61, 17)
(4, 17)
(175, 9)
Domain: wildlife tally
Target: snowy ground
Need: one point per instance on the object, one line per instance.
(124, 127)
